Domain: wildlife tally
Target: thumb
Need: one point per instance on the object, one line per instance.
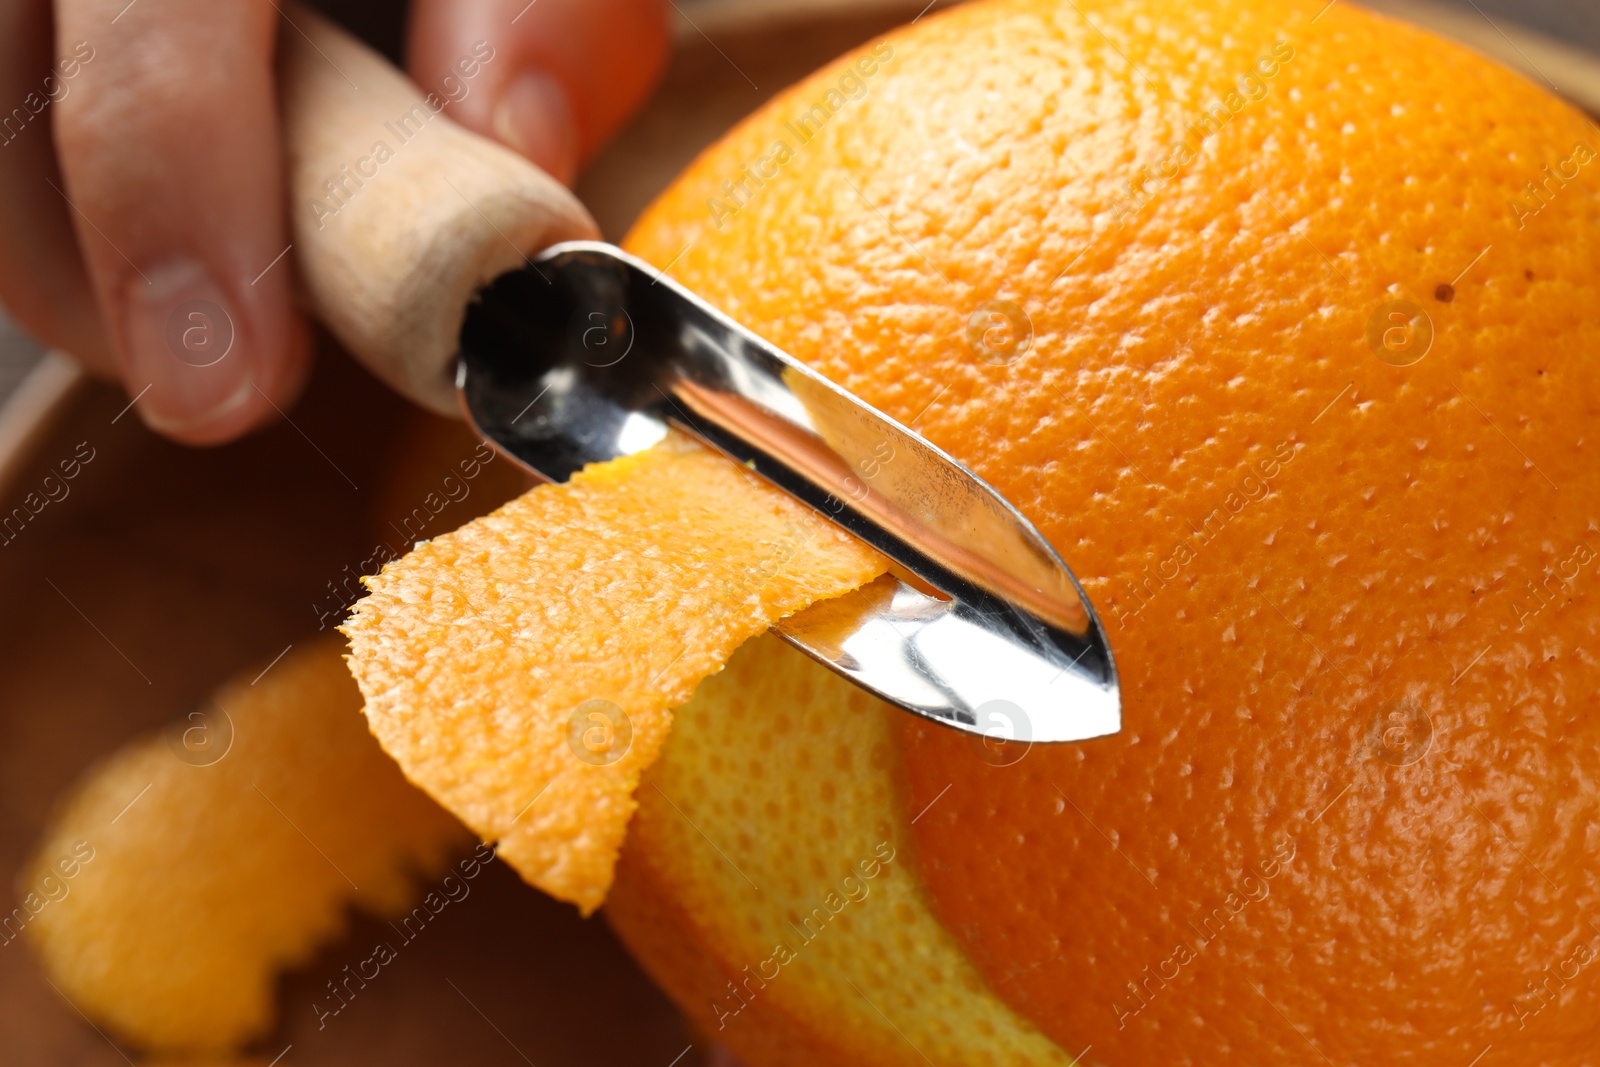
(551, 79)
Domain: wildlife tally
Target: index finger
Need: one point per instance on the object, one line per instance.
(169, 147)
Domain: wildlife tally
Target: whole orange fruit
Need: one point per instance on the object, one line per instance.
(1279, 320)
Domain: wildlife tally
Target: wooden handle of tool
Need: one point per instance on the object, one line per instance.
(397, 214)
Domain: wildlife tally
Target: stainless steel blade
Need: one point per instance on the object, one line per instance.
(588, 354)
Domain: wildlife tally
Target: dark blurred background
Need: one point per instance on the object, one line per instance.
(1575, 21)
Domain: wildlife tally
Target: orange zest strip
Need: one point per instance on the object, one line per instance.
(523, 669)
(192, 867)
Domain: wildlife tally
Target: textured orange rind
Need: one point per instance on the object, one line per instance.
(523, 669)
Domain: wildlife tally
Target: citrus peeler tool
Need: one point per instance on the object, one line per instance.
(451, 270)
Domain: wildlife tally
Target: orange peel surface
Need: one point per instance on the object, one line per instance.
(1277, 318)
(523, 669)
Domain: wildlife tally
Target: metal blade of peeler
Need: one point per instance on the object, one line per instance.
(587, 354)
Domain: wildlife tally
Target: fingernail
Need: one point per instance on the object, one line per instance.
(535, 117)
(180, 335)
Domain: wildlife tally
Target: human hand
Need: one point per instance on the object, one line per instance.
(146, 236)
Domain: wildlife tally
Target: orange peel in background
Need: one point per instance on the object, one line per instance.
(523, 669)
(191, 867)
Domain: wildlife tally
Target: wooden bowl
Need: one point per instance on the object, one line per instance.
(164, 570)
